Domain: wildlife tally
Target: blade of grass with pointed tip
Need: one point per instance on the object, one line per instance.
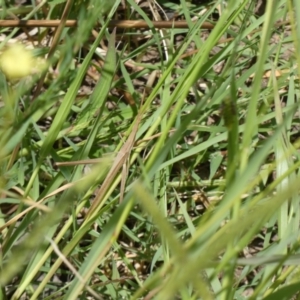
(64, 108)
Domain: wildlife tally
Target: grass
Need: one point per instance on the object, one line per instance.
(210, 184)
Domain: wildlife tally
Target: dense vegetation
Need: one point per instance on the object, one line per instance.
(149, 162)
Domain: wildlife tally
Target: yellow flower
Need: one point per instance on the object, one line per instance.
(16, 62)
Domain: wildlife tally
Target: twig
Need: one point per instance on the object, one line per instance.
(112, 24)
